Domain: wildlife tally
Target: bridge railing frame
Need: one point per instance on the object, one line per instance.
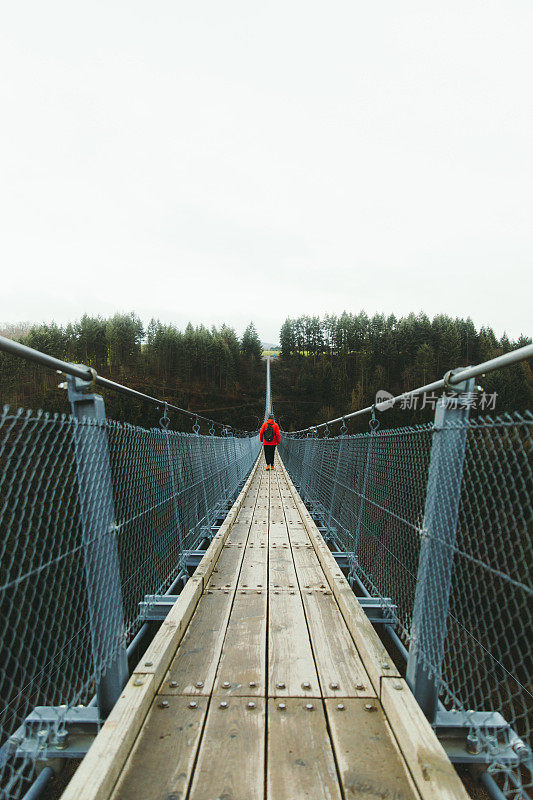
(489, 740)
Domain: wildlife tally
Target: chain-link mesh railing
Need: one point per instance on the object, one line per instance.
(163, 491)
(371, 491)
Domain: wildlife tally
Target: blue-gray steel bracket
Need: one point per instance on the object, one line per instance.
(155, 607)
(479, 737)
(52, 732)
(97, 520)
(435, 566)
(380, 611)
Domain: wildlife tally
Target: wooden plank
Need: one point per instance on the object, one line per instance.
(291, 663)
(231, 760)
(433, 773)
(226, 570)
(369, 762)
(297, 531)
(243, 661)
(95, 777)
(161, 763)
(194, 666)
(340, 670)
(310, 573)
(281, 570)
(253, 572)
(239, 533)
(300, 760)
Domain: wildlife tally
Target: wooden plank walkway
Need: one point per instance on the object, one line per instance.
(266, 681)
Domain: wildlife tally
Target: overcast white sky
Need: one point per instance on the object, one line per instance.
(227, 161)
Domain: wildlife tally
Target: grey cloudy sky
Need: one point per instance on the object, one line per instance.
(223, 161)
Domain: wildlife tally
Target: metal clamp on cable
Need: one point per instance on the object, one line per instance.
(460, 386)
(81, 385)
(374, 422)
(165, 419)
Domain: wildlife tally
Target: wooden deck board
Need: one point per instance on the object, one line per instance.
(232, 752)
(369, 761)
(300, 761)
(164, 770)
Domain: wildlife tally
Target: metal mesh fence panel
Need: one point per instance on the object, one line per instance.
(166, 491)
(371, 491)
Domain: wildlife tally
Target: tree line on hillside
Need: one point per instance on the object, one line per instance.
(336, 364)
(196, 368)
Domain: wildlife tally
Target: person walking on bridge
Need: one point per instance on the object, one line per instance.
(270, 437)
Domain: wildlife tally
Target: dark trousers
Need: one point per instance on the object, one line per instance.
(270, 451)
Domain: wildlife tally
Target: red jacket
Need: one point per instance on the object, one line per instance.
(275, 426)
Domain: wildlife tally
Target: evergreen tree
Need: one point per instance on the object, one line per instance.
(251, 344)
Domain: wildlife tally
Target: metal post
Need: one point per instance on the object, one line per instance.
(432, 595)
(97, 518)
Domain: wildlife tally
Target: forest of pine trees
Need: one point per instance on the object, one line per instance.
(205, 370)
(327, 366)
(336, 364)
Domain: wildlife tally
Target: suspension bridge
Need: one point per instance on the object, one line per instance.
(178, 622)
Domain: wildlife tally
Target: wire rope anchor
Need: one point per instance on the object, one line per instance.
(374, 422)
(343, 428)
(212, 429)
(326, 431)
(164, 422)
(196, 426)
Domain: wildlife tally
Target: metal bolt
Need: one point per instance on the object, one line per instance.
(173, 684)
(334, 686)
(252, 684)
(193, 704)
(292, 591)
(223, 704)
(398, 687)
(199, 684)
(280, 685)
(138, 682)
(369, 707)
(340, 707)
(61, 739)
(251, 704)
(163, 704)
(226, 685)
(472, 744)
(148, 663)
(309, 707)
(359, 687)
(42, 738)
(306, 685)
(282, 706)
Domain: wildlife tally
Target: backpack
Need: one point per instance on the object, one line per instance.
(268, 433)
